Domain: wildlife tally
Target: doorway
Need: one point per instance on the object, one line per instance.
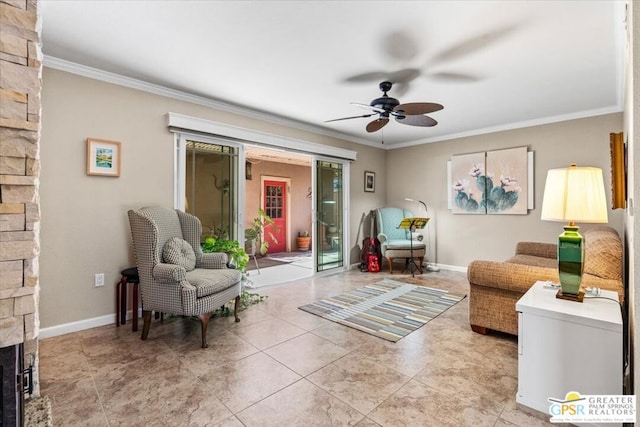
(275, 205)
(301, 191)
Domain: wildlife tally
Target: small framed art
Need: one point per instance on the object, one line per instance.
(369, 182)
(103, 157)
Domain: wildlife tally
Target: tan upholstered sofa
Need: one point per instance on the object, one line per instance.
(495, 287)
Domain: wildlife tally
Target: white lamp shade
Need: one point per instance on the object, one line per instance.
(575, 194)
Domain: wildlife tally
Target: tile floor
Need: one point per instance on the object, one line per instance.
(282, 366)
(300, 266)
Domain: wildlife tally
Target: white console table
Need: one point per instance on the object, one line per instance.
(567, 346)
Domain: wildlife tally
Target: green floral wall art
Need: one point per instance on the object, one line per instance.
(494, 182)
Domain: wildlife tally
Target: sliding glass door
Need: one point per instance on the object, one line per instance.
(211, 185)
(330, 223)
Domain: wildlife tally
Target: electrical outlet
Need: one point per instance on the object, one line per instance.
(98, 279)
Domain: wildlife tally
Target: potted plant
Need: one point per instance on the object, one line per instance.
(303, 240)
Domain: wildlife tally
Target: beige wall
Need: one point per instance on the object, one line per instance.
(84, 222)
(463, 238)
(84, 226)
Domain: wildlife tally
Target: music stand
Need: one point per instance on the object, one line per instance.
(412, 224)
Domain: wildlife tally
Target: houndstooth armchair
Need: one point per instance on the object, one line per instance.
(175, 276)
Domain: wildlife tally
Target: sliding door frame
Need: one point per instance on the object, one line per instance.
(194, 128)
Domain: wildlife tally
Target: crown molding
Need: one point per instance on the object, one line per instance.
(178, 122)
(109, 77)
(516, 125)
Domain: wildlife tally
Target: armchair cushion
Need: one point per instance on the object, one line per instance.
(179, 252)
(404, 244)
(208, 284)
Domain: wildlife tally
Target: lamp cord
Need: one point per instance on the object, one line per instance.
(625, 359)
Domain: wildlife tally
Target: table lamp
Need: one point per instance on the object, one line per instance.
(573, 194)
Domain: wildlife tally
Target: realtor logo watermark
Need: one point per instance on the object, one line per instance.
(577, 408)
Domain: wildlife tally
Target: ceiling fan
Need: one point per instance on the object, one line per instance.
(400, 46)
(385, 107)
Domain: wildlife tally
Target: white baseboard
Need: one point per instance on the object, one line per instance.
(109, 319)
(441, 266)
(451, 267)
(81, 325)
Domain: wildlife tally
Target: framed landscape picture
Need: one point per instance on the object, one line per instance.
(103, 157)
(369, 182)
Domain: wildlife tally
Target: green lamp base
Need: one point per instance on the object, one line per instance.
(570, 256)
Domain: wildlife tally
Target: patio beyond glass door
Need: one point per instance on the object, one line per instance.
(329, 227)
(274, 195)
(211, 187)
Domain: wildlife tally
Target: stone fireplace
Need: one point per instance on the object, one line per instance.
(20, 86)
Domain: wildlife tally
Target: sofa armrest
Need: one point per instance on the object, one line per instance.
(169, 273)
(545, 250)
(508, 276)
(382, 237)
(213, 260)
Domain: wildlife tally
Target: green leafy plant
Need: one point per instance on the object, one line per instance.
(247, 299)
(257, 228)
(303, 234)
(237, 255)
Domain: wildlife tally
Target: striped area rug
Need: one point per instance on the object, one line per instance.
(388, 309)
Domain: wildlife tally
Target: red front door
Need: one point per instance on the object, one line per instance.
(275, 205)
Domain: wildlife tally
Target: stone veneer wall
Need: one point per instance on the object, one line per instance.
(20, 106)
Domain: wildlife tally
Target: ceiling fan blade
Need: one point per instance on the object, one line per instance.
(454, 77)
(376, 125)
(406, 75)
(419, 120)
(472, 44)
(368, 107)
(352, 117)
(415, 108)
(366, 77)
(400, 89)
(400, 45)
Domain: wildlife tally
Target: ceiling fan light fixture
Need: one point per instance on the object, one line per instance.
(412, 113)
(385, 102)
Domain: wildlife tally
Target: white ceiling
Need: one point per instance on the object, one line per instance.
(531, 62)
